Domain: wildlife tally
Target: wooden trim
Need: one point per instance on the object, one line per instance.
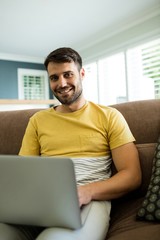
(34, 102)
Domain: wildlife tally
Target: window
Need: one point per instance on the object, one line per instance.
(132, 74)
(33, 84)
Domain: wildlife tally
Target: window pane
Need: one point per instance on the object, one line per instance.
(90, 84)
(112, 80)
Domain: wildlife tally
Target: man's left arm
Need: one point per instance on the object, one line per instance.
(127, 178)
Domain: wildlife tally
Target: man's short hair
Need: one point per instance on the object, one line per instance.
(63, 55)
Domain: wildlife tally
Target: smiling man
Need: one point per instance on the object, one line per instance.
(66, 82)
(93, 136)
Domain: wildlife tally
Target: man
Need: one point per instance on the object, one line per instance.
(92, 135)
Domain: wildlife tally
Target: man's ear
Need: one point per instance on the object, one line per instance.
(82, 73)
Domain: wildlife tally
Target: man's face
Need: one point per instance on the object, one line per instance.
(65, 81)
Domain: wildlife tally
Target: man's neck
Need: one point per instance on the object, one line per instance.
(72, 107)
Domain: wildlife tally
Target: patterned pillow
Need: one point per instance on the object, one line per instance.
(150, 208)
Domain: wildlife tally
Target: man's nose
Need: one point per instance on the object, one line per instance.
(62, 82)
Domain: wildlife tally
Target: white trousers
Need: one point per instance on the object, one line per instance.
(95, 227)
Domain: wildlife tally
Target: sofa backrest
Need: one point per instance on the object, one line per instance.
(12, 128)
(143, 118)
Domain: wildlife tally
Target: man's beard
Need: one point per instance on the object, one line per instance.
(71, 99)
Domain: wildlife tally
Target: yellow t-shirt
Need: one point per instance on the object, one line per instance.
(87, 136)
(91, 131)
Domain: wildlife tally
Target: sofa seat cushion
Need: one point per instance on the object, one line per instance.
(141, 232)
(125, 226)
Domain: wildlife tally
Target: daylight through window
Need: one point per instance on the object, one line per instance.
(130, 75)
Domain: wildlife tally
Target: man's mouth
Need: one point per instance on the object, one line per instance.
(64, 90)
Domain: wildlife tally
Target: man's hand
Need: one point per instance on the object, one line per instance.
(84, 195)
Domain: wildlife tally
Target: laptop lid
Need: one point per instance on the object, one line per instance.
(38, 191)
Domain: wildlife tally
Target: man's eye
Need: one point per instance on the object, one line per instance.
(68, 75)
(54, 78)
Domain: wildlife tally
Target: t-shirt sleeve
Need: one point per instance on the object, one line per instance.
(30, 144)
(119, 132)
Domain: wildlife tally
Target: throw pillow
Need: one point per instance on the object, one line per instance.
(150, 208)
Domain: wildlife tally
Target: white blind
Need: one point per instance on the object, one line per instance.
(33, 87)
(151, 64)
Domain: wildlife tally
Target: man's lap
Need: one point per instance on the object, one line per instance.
(95, 224)
(95, 218)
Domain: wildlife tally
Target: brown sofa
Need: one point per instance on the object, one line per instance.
(143, 118)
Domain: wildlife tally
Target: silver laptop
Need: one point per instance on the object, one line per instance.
(38, 191)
